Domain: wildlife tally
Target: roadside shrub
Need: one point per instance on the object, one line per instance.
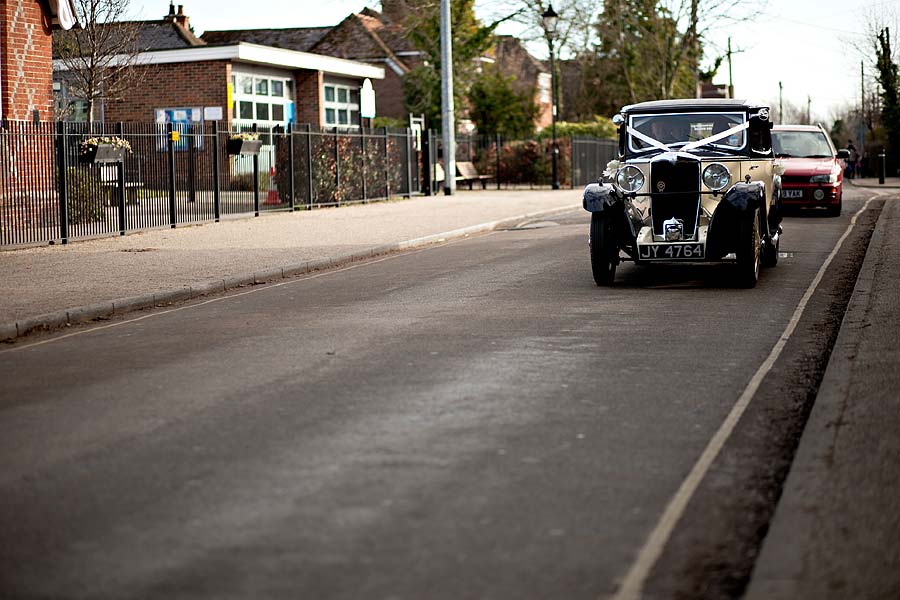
(600, 127)
(243, 182)
(527, 162)
(86, 197)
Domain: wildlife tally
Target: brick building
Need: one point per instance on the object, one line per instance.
(185, 78)
(532, 77)
(380, 38)
(26, 66)
(365, 37)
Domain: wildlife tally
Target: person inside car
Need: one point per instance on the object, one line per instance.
(668, 131)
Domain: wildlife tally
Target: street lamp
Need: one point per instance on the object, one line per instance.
(551, 19)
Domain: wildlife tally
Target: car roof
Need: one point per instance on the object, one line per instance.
(797, 128)
(691, 104)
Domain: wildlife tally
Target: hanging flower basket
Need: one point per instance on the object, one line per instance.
(243, 143)
(109, 149)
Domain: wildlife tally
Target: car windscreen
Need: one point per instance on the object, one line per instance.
(801, 144)
(676, 130)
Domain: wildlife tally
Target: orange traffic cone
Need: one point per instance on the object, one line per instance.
(272, 197)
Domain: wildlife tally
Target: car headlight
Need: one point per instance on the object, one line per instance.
(716, 177)
(824, 178)
(630, 179)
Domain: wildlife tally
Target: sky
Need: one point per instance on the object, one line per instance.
(811, 46)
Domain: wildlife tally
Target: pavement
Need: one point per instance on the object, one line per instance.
(835, 531)
(51, 287)
(836, 528)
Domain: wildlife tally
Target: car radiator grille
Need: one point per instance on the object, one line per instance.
(680, 198)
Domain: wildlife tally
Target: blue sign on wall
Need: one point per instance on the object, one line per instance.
(181, 120)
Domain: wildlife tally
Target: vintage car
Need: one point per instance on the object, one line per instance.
(696, 180)
(813, 173)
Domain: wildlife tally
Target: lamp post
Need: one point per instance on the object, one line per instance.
(550, 19)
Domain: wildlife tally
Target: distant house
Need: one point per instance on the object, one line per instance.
(364, 37)
(380, 38)
(712, 90)
(187, 78)
(531, 75)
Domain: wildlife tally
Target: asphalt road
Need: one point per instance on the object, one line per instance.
(473, 420)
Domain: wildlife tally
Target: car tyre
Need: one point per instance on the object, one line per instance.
(835, 211)
(749, 252)
(604, 250)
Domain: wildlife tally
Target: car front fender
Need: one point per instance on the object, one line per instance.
(598, 197)
(746, 196)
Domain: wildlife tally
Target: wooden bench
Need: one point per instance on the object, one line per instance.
(467, 173)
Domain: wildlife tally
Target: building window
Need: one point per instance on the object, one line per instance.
(341, 106)
(70, 108)
(246, 84)
(264, 100)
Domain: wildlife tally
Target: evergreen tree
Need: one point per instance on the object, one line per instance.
(496, 107)
(422, 85)
(889, 80)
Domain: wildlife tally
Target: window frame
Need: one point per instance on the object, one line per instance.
(334, 109)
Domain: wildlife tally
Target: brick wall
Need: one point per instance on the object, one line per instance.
(310, 100)
(179, 85)
(25, 60)
(389, 95)
(26, 85)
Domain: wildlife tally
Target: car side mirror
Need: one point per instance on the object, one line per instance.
(843, 153)
(618, 119)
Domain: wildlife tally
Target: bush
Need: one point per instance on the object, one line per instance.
(600, 127)
(86, 198)
(526, 161)
(243, 182)
(389, 122)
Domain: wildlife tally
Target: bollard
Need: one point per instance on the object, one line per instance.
(881, 167)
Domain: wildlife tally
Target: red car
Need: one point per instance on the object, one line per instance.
(813, 172)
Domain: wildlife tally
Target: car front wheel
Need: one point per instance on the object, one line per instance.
(604, 251)
(749, 253)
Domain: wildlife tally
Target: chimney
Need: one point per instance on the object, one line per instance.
(170, 18)
(181, 18)
(394, 10)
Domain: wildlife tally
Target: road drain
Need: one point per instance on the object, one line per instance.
(714, 546)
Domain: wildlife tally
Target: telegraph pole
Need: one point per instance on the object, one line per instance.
(861, 128)
(730, 80)
(780, 105)
(808, 114)
(695, 48)
(449, 126)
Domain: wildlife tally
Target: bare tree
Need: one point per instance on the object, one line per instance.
(576, 33)
(99, 59)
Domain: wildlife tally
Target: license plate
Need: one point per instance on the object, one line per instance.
(791, 193)
(671, 252)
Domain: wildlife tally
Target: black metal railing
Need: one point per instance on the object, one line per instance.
(525, 162)
(181, 174)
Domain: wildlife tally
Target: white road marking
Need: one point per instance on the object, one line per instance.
(633, 584)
